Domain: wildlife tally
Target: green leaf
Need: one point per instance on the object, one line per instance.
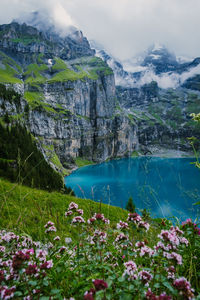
(33, 283)
(18, 294)
(126, 297)
(157, 285)
(168, 285)
(55, 291)
(45, 282)
(121, 279)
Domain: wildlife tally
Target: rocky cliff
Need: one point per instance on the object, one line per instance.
(71, 105)
(68, 98)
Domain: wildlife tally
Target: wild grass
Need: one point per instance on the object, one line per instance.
(33, 73)
(36, 100)
(27, 210)
(81, 162)
(8, 75)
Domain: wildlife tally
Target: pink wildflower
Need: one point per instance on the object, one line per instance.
(146, 250)
(164, 296)
(2, 249)
(7, 293)
(100, 284)
(122, 225)
(41, 254)
(68, 213)
(106, 221)
(145, 276)
(139, 244)
(134, 217)
(144, 225)
(187, 222)
(130, 270)
(31, 269)
(73, 206)
(48, 224)
(150, 295)
(91, 220)
(177, 257)
(121, 237)
(47, 264)
(51, 229)
(99, 216)
(80, 211)
(78, 219)
(184, 287)
(88, 296)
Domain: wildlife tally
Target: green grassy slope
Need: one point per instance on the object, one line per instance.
(27, 210)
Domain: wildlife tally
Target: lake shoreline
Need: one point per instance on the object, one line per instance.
(170, 153)
(162, 153)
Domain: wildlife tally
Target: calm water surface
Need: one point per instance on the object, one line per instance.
(166, 186)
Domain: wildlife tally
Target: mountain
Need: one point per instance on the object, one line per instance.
(71, 105)
(161, 59)
(158, 93)
(68, 97)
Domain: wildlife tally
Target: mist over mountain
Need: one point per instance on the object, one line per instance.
(46, 23)
(157, 63)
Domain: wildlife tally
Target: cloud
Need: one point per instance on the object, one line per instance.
(124, 27)
(164, 80)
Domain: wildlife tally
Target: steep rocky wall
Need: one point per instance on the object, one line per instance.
(87, 126)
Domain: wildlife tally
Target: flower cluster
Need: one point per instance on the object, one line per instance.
(130, 262)
(78, 219)
(99, 236)
(73, 209)
(50, 227)
(172, 238)
(24, 261)
(7, 293)
(130, 270)
(145, 276)
(184, 287)
(73, 206)
(151, 296)
(122, 225)
(137, 220)
(98, 217)
(99, 285)
(175, 256)
(189, 223)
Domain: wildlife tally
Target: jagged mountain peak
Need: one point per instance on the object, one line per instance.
(160, 58)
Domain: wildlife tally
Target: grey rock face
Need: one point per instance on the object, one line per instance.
(89, 129)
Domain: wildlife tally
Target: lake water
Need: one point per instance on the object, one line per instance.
(166, 186)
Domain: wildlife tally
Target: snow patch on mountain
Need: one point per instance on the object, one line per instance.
(154, 56)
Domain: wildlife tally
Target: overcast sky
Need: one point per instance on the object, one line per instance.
(124, 27)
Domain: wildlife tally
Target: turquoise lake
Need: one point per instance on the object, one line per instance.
(166, 186)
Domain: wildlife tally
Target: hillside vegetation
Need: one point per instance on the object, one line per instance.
(63, 247)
